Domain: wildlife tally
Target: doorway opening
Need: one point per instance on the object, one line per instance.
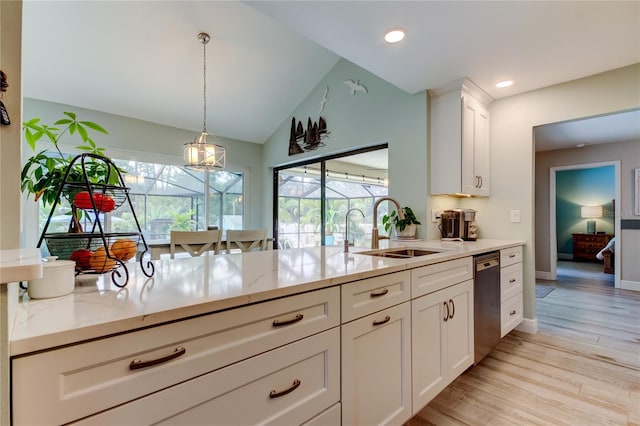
(576, 212)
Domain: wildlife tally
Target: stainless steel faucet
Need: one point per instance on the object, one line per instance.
(375, 237)
(346, 229)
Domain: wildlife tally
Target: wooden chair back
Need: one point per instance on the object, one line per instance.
(246, 239)
(195, 242)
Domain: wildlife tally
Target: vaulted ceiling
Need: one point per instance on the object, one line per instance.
(142, 59)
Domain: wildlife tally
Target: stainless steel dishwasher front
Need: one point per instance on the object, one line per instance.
(486, 290)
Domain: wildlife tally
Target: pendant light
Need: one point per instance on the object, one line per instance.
(200, 155)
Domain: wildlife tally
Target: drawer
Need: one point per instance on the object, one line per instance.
(427, 279)
(360, 298)
(510, 281)
(243, 393)
(510, 314)
(75, 381)
(510, 256)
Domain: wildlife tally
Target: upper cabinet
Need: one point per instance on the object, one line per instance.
(460, 152)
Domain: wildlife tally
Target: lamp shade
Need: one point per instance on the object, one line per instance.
(200, 155)
(590, 212)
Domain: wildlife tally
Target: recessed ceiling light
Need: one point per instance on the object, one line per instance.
(395, 35)
(505, 83)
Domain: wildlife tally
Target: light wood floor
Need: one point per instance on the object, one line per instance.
(581, 368)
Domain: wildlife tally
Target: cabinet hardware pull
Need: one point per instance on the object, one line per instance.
(480, 182)
(511, 256)
(275, 394)
(453, 309)
(379, 293)
(446, 316)
(137, 363)
(278, 323)
(382, 321)
(512, 313)
(512, 280)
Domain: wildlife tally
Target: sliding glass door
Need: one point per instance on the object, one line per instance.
(312, 199)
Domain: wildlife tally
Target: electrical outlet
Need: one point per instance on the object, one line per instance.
(515, 216)
(435, 214)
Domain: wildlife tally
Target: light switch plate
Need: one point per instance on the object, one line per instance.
(435, 214)
(515, 216)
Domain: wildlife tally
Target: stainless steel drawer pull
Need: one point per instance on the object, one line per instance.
(379, 293)
(137, 363)
(512, 313)
(512, 280)
(382, 321)
(278, 323)
(276, 394)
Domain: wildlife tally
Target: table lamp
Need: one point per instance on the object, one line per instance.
(591, 212)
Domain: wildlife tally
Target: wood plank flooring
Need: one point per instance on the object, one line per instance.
(581, 368)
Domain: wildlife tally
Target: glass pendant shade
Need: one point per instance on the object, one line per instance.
(200, 155)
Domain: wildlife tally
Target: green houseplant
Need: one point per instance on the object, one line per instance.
(405, 228)
(44, 172)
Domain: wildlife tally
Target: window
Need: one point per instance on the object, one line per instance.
(166, 197)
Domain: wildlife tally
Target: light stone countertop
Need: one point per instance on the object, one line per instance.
(185, 287)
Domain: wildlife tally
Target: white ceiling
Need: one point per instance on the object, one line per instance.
(142, 59)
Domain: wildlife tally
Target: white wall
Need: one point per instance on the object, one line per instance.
(384, 114)
(512, 150)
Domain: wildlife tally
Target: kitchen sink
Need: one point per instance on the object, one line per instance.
(399, 253)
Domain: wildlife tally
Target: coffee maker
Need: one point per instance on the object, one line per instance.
(458, 224)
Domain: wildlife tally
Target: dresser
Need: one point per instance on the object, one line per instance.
(586, 246)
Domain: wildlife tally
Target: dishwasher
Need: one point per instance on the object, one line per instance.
(486, 298)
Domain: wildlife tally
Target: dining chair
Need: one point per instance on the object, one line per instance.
(246, 239)
(195, 242)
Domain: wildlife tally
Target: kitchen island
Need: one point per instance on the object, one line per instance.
(103, 354)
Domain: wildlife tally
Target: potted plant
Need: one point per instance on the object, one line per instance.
(44, 172)
(405, 228)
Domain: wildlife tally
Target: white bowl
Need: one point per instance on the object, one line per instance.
(58, 279)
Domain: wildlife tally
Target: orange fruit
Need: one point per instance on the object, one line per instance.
(123, 249)
(99, 261)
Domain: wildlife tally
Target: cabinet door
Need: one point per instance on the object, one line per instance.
(376, 368)
(441, 340)
(427, 340)
(459, 350)
(475, 147)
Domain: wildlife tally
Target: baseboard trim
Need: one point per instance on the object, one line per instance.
(565, 256)
(630, 285)
(544, 275)
(528, 326)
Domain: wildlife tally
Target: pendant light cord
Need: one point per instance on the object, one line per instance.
(204, 38)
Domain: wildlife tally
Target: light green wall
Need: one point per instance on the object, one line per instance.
(384, 114)
(144, 141)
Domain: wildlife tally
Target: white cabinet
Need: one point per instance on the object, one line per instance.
(288, 385)
(460, 140)
(79, 380)
(511, 294)
(442, 340)
(376, 368)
